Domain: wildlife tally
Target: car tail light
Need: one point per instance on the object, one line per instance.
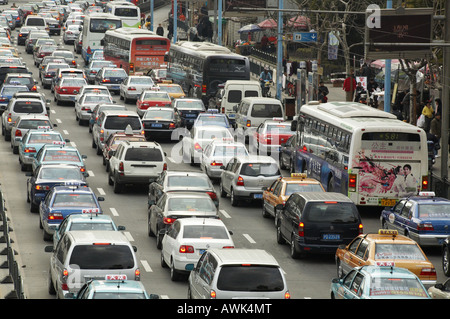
(301, 229)
(131, 88)
(214, 163)
(168, 220)
(33, 89)
(227, 247)
(93, 72)
(106, 80)
(18, 133)
(424, 182)
(137, 274)
(55, 216)
(9, 118)
(172, 125)
(197, 147)
(65, 275)
(287, 295)
(240, 181)
(82, 169)
(212, 294)
(352, 182)
(29, 150)
(74, 62)
(186, 249)
(425, 226)
(223, 110)
(121, 167)
(213, 195)
(361, 229)
(249, 123)
(428, 272)
(42, 188)
(203, 88)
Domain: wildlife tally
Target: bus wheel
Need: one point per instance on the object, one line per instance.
(330, 185)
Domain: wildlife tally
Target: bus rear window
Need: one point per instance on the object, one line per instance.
(126, 12)
(391, 136)
(226, 65)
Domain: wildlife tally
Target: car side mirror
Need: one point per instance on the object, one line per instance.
(101, 199)
(48, 249)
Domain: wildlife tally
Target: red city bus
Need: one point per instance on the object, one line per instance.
(137, 51)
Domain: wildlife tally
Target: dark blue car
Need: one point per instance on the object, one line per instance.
(424, 218)
(61, 201)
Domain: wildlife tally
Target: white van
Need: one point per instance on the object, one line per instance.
(252, 111)
(237, 273)
(234, 91)
(36, 21)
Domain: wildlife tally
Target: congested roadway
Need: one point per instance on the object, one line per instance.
(309, 278)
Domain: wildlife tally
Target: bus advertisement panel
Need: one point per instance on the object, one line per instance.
(95, 26)
(137, 51)
(365, 153)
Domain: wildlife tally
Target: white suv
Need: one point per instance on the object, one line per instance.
(135, 163)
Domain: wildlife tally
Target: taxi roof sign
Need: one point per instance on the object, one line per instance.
(432, 194)
(299, 175)
(277, 119)
(387, 232)
(115, 277)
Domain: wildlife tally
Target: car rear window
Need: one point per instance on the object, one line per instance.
(44, 138)
(33, 124)
(205, 231)
(398, 251)
(28, 107)
(36, 22)
(251, 278)
(191, 204)
(91, 226)
(70, 200)
(187, 181)
(331, 212)
(266, 110)
(257, 169)
(121, 122)
(294, 188)
(103, 256)
(144, 154)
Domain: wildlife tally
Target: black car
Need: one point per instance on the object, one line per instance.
(111, 78)
(54, 26)
(22, 79)
(160, 122)
(188, 110)
(287, 153)
(23, 34)
(313, 222)
(7, 69)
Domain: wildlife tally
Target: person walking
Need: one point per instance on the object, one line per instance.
(435, 130)
(160, 30)
(428, 112)
(349, 87)
(323, 92)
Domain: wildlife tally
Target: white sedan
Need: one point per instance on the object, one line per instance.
(87, 102)
(187, 239)
(132, 87)
(198, 138)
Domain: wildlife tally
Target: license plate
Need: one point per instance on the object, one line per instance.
(388, 202)
(115, 87)
(258, 196)
(232, 115)
(72, 98)
(156, 125)
(331, 237)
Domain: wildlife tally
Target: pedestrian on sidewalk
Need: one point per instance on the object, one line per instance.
(435, 127)
(349, 87)
(428, 112)
(160, 30)
(323, 92)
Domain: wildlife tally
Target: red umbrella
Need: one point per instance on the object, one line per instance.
(268, 24)
(299, 22)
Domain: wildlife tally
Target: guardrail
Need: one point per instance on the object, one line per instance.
(440, 186)
(13, 277)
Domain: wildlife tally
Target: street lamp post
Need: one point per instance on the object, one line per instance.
(280, 50)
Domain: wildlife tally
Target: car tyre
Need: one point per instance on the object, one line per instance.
(174, 274)
(51, 286)
(223, 193)
(280, 239)
(446, 261)
(234, 200)
(265, 214)
(295, 253)
(117, 187)
(163, 262)
(149, 227)
(339, 269)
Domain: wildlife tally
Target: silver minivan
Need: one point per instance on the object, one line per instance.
(83, 255)
(113, 121)
(223, 273)
(247, 177)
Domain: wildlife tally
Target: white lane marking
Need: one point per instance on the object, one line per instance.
(224, 213)
(73, 144)
(100, 190)
(66, 132)
(58, 120)
(146, 266)
(91, 174)
(113, 211)
(170, 159)
(249, 238)
(164, 297)
(53, 111)
(128, 235)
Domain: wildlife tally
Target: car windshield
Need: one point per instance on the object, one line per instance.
(257, 169)
(250, 278)
(331, 212)
(191, 204)
(205, 232)
(408, 287)
(187, 181)
(102, 257)
(61, 155)
(73, 199)
(194, 105)
(230, 150)
(159, 114)
(91, 226)
(156, 96)
(115, 74)
(62, 173)
(293, 188)
(434, 211)
(42, 138)
(141, 80)
(33, 124)
(398, 251)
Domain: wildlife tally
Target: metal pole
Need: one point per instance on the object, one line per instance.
(152, 7)
(387, 76)
(279, 50)
(219, 26)
(445, 99)
(175, 20)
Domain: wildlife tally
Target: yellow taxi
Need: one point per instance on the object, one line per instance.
(175, 91)
(385, 248)
(282, 188)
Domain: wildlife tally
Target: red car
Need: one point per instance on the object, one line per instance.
(66, 88)
(269, 135)
(151, 98)
(43, 51)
